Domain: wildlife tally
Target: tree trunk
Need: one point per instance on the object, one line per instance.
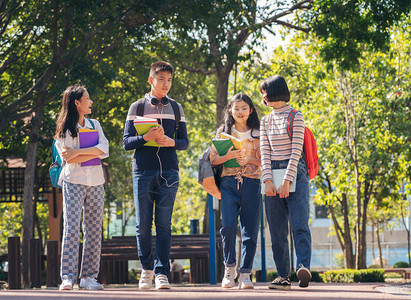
(222, 93)
(407, 229)
(351, 141)
(29, 172)
(349, 258)
(358, 231)
(409, 247)
(363, 239)
(372, 240)
(377, 231)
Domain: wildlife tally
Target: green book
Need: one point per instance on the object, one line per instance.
(222, 146)
(142, 125)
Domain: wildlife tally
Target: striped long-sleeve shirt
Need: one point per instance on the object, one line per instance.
(152, 158)
(275, 143)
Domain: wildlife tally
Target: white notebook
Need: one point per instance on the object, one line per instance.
(278, 176)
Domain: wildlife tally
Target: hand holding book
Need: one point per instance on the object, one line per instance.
(275, 184)
(165, 141)
(149, 129)
(235, 153)
(154, 133)
(243, 159)
(89, 138)
(225, 147)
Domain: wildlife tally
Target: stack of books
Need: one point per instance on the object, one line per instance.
(142, 125)
(224, 143)
(88, 138)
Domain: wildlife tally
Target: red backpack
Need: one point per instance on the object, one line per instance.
(309, 148)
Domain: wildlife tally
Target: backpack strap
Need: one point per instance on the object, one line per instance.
(177, 116)
(290, 123)
(92, 124)
(140, 107)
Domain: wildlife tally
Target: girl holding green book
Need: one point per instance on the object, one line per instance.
(240, 188)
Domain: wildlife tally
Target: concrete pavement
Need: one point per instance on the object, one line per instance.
(205, 292)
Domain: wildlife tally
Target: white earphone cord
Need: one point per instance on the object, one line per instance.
(158, 150)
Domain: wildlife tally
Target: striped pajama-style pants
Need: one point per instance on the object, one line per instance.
(90, 200)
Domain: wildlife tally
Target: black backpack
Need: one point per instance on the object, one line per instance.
(174, 105)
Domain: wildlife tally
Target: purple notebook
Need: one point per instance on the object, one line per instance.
(88, 139)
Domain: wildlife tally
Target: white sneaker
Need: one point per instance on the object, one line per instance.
(244, 282)
(66, 285)
(146, 279)
(162, 282)
(229, 275)
(90, 283)
(304, 276)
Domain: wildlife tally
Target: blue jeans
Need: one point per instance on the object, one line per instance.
(149, 189)
(246, 202)
(295, 208)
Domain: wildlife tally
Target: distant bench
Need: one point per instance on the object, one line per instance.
(405, 272)
(116, 252)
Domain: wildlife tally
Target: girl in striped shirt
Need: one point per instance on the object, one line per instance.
(240, 189)
(278, 151)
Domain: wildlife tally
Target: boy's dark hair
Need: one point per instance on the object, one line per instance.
(160, 66)
(276, 89)
(253, 121)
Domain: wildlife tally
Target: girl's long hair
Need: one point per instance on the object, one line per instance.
(68, 116)
(253, 121)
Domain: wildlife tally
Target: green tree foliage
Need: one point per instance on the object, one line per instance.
(361, 123)
(109, 46)
(211, 37)
(11, 222)
(364, 157)
(44, 44)
(345, 26)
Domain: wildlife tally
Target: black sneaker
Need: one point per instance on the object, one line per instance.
(304, 277)
(280, 283)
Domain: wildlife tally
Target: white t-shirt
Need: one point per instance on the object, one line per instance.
(75, 173)
(246, 134)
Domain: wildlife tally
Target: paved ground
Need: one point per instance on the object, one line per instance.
(205, 292)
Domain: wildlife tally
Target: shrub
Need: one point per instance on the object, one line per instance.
(271, 276)
(316, 277)
(370, 275)
(339, 260)
(350, 275)
(374, 267)
(132, 275)
(401, 264)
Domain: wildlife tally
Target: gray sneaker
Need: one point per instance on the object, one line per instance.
(90, 283)
(244, 281)
(230, 275)
(146, 279)
(280, 283)
(304, 276)
(161, 281)
(66, 285)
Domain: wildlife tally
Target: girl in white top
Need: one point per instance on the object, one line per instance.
(83, 189)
